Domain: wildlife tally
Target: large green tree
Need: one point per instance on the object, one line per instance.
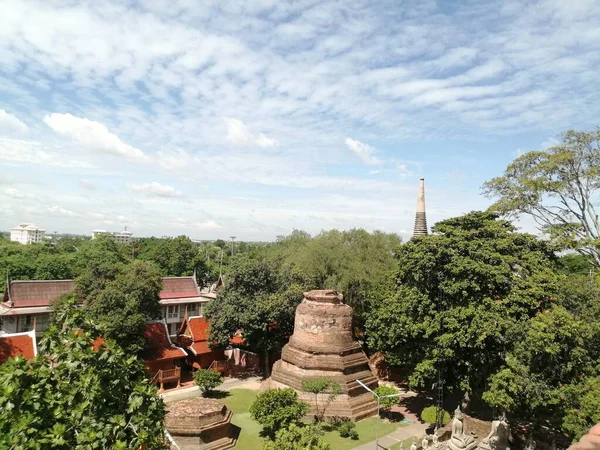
(550, 376)
(175, 257)
(74, 397)
(122, 298)
(257, 300)
(463, 293)
(559, 188)
(354, 262)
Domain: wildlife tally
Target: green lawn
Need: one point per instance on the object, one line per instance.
(239, 402)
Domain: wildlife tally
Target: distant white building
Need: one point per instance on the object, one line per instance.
(27, 233)
(120, 237)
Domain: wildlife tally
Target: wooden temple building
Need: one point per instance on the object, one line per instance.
(162, 358)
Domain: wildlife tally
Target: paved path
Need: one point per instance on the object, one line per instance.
(193, 391)
(401, 434)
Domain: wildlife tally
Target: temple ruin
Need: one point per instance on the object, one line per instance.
(323, 346)
(200, 424)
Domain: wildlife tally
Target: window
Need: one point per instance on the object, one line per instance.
(25, 324)
(192, 309)
(41, 323)
(173, 312)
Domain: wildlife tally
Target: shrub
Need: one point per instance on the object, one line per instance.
(277, 409)
(207, 380)
(429, 415)
(348, 430)
(389, 401)
(298, 438)
(318, 386)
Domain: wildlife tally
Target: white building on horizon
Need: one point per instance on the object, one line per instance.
(120, 237)
(27, 233)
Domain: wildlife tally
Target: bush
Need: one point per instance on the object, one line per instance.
(389, 401)
(298, 438)
(317, 386)
(429, 415)
(277, 409)
(207, 380)
(348, 430)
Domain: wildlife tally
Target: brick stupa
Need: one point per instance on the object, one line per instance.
(323, 346)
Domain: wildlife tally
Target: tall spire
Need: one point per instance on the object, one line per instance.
(421, 218)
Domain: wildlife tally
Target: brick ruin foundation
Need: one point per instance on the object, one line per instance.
(323, 346)
(200, 424)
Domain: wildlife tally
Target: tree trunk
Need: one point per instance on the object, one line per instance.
(267, 364)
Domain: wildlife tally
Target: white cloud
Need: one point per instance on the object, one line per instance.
(155, 189)
(208, 225)
(239, 135)
(15, 193)
(550, 142)
(403, 170)
(28, 152)
(365, 152)
(86, 184)
(92, 135)
(11, 124)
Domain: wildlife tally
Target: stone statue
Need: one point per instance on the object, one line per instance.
(425, 443)
(498, 437)
(435, 438)
(459, 440)
(413, 446)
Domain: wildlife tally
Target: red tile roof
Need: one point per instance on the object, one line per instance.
(17, 344)
(196, 328)
(159, 345)
(179, 287)
(201, 347)
(36, 293)
(237, 338)
(97, 343)
(31, 293)
(199, 328)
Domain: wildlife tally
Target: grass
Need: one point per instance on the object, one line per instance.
(366, 433)
(239, 402)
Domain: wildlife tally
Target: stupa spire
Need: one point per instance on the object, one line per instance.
(420, 217)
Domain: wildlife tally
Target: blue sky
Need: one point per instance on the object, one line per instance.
(254, 118)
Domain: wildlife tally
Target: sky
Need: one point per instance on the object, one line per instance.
(220, 118)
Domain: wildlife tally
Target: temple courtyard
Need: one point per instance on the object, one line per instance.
(242, 393)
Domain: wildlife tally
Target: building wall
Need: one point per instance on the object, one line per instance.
(174, 314)
(120, 237)
(27, 236)
(26, 322)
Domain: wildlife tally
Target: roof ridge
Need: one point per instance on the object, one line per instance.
(42, 281)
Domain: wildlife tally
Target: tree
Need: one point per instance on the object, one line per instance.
(122, 299)
(463, 294)
(387, 402)
(175, 257)
(297, 437)
(258, 301)
(319, 387)
(584, 407)
(559, 188)
(354, 262)
(73, 397)
(207, 380)
(430, 415)
(545, 378)
(276, 409)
